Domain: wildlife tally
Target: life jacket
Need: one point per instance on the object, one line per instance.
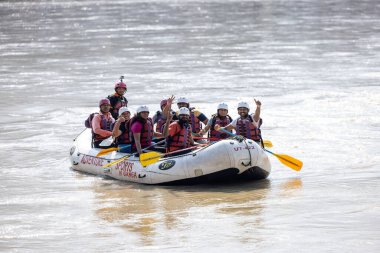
(160, 121)
(146, 133)
(180, 140)
(195, 122)
(106, 124)
(247, 129)
(125, 138)
(221, 122)
(117, 102)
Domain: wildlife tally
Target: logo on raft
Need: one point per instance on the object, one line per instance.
(166, 165)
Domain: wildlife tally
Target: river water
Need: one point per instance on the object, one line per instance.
(313, 64)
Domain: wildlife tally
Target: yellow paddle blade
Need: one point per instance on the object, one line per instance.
(106, 151)
(115, 162)
(149, 158)
(268, 144)
(289, 161)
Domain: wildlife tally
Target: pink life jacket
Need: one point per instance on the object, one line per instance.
(105, 124)
(221, 122)
(146, 133)
(247, 129)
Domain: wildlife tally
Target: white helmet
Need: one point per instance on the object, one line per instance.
(123, 109)
(243, 105)
(223, 106)
(184, 110)
(182, 100)
(142, 108)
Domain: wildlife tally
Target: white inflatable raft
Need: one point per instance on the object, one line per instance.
(225, 160)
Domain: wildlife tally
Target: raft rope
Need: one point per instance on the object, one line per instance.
(249, 152)
(79, 134)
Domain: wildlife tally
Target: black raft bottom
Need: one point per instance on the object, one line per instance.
(227, 175)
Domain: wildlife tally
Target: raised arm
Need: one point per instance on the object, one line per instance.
(168, 105)
(256, 116)
(169, 116)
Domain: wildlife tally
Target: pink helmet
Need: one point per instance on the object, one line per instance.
(120, 85)
(104, 101)
(163, 102)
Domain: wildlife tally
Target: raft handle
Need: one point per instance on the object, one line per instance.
(246, 165)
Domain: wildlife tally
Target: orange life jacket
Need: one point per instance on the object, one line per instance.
(181, 138)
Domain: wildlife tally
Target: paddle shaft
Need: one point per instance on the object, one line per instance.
(127, 156)
(263, 142)
(173, 152)
(227, 132)
(145, 160)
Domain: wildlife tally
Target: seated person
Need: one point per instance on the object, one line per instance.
(179, 133)
(196, 117)
(121, 131)
(222, 119)
(102, 124)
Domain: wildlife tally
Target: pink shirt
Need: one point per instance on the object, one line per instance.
(96, 124)
(136, 127)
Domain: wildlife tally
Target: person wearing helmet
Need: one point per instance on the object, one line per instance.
(102, 123)
(179, 132)
(117, 99)
(160, 119)
(121, 129)
(246, 125)
(142, 132)
(196, 117)
(221, 118)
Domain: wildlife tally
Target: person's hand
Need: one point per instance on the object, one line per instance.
(167, 109)
(170, 100)
(239, 138)
(258, 103)
(121, 119)
(217, 127)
